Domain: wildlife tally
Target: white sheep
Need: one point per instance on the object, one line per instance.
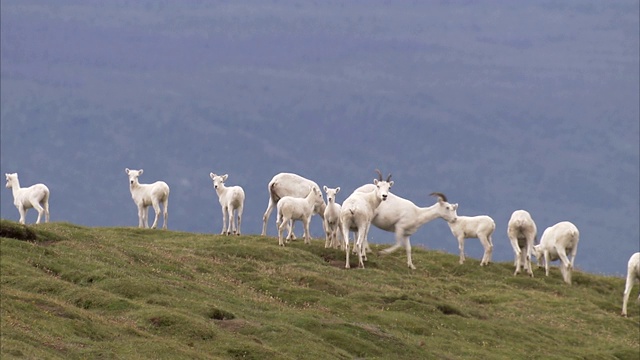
(332, 218)
(287, 184)
(633, 274)
(357, 212)
(555, 243)
(522, 231)
(35, 196)
(145, 195)
(467, 227)
(232, 201)
(404, 218)
(290, 209)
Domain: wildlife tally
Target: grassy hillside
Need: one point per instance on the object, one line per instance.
(72, 292)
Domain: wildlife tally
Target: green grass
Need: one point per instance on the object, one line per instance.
(72, 292)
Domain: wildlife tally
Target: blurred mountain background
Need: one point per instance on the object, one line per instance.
(500, 105)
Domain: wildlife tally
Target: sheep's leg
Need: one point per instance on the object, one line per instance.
(627, 292)
(225, 210)
(45, 205)
(566, 265)
(39, 209)
(307, 233)
(281, 225)
(345, 238)
(527, 260)
(156, 209)
(266, 215)
(546, 262)
(518, 253)
(291, 235)
(574, 251)
(141, 219)
(240, 209)
(165, 214)
(488, 249)
(231, 229)
(461, 249)
(23, 214)
(327, 232)
(360, 246)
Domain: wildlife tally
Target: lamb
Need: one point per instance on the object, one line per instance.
(291, 208)
(357, 212)
(287, 184)
(232, 201)
(466, 227)
(555, 243)
(35, 196)
(404, 218)
(332, 218)
(145, 195)
(522, 234)
(633, 274)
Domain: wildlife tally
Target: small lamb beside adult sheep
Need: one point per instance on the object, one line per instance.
(556, 242)
(35, 196)
(633, 274)
(145, 195)
(332, 218)
(522, 234)
(231, 200)
(292, 208)
(467, 227)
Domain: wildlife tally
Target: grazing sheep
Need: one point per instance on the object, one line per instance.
(467, 227)
(35, 196)
(357, 213)
(287, 184)
(633, 274)
(232, 201)
(145, 195)
(332, 218)
(555, 243)
(522, 234)
(404, 218)
(291, 208)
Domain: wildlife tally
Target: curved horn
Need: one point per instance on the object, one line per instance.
(389, 177)
(379, 174)
(440, 195)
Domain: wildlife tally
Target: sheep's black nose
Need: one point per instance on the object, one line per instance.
(384, 197)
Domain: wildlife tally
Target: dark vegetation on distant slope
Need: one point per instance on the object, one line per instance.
(70, 292)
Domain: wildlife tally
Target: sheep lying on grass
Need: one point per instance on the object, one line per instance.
(232, 201)
(633, 274)
(555, 243)
(145, 195)
(35, 196)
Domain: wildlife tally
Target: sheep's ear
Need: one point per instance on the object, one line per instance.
(338, 189)
(325, 188)
(140, 172)
(224, 177)
(212, 175)
(127, 170)
(375, 181)
(455, 206)
(390, 183)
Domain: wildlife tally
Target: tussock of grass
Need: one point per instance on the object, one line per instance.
(69, 291)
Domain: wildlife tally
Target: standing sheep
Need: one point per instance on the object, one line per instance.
(633, 274)
(145, 195)
(555, 243)
(466, 227)
(35, 196)
(332, 218)
(522, 234)
(292, 208)
(232, 201)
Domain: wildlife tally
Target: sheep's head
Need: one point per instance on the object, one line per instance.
(538, 253)
(11, 178)
(331, 193)
(133, 175)
(218, 180)
(445, 210)
(383, 186)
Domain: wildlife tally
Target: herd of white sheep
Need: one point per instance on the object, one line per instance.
(296, 198)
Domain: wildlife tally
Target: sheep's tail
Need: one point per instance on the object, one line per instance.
(272, 192)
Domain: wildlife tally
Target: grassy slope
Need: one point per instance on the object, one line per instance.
(77, 292)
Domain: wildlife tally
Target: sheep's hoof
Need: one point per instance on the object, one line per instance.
(412, 267)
